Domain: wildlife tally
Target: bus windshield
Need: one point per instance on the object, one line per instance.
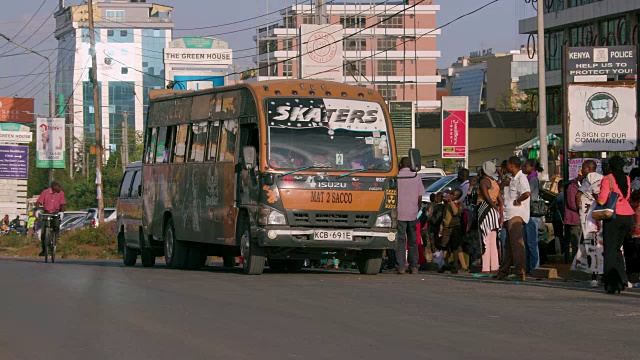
(339, 134)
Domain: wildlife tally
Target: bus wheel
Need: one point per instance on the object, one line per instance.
(175, 251)
(229, 261)
(370, 262)
(252, 253)
(197, 257)
(147, 256)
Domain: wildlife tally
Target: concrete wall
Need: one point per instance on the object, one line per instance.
(485, 144)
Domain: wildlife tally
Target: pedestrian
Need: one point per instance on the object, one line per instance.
(410, 190)
(5, 223)
(557, 217)
(453, 233)
(632, 243)
(531, 168)
(571, 238)
(463, 178)
(516, 214)
(490, 216)
(615, 229)
(589, 258)
(31, 222)
(434, 222)
(504, 178)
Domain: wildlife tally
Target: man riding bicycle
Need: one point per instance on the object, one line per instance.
(52, 201)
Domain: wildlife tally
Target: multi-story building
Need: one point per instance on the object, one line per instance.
(395, 54)
(130, 37)
(489, 80)
(578, 23)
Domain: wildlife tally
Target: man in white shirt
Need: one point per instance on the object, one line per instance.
(516, 214)
(463, 177)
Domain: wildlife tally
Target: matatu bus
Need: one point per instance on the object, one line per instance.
(275, 172)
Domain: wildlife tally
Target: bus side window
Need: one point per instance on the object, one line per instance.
(137, 179)
(125, 186)
(162, 139)
(214, 130)
(180, 149)
(228, 140)
(198, 142)
(250, 136)
(151, 146)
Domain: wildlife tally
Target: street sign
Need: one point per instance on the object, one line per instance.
(607, 60)
(455, 127)
(16, 136)
(402, 116)
(14, 162)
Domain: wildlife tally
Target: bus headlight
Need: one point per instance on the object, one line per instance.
(276, 218)
(383, 221)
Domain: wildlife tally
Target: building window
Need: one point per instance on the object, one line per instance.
(387, 67)
(267, 46)
(110, 33)
(553, 50)
(355, 44)
(156, 33)
(614, 32)
(582, 35)
(388, 92)
(574, 3)
(85, 35)
(397, 21)
(287, 68)
(352, 21)
(267, 69)
(308, 19)
(355, 68)
(124, 70)
(123, 33)
(287, 44)
(115, 15)
(387, 43)
(290, 22)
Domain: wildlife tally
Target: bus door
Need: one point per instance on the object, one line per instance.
(226, 166)
(247, 189)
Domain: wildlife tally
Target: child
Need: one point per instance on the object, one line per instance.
(453, 233)
(434, 220)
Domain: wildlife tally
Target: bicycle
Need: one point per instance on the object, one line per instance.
(51, 228)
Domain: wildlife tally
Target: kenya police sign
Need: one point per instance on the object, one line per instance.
(602, 117)
(610, 60)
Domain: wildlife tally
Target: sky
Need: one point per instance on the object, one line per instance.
(494, 27)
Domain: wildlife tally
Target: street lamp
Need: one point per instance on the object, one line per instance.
(50, 89)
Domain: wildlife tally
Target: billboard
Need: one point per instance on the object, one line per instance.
(321, 52)
(14, 162)
(455, 127)
(602, 117)
(402, 114)
(50, 139)
(17, 110)
(209, 57)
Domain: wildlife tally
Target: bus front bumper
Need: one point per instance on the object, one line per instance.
(362, 239)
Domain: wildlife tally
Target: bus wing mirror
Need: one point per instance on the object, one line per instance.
(248, 157)
(415, 160)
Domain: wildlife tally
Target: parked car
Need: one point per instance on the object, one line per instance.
(431, 171)
(132, 239)
(73, 224)
(71, 218)
(429, 179)
(91, 219)
(449, 182)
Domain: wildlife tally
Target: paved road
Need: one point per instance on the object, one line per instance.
(101, 310)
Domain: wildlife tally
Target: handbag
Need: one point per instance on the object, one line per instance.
(538, 208)
(608, 210)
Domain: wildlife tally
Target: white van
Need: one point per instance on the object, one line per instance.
(431, 171)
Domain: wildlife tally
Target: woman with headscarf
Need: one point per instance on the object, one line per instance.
(615, 229)
(589, 257)
(490, 207)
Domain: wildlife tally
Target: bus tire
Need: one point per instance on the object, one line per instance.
(175, 251)
(370, 262)
(229, 261)
(252, 253)
(147, 256)
(197, 257)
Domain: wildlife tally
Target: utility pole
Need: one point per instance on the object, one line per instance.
(71, 154)
(125, 140)
(542, 92)
(321, 12)
(96, 113)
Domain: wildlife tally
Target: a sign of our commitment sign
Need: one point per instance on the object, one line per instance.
(609, 60)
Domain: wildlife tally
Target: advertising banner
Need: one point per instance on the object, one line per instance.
(602, 117)
(576, 164)
(455, 127)
(50, 140)
(17, 110)
(14, 162)
(185, 56)
(402, 115)
(321, 52)
(16, 136)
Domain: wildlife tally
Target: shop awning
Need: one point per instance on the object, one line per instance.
(535, 142)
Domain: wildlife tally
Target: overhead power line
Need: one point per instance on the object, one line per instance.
(26, 24)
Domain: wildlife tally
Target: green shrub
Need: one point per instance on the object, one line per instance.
(12, 240)
(100, 236)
